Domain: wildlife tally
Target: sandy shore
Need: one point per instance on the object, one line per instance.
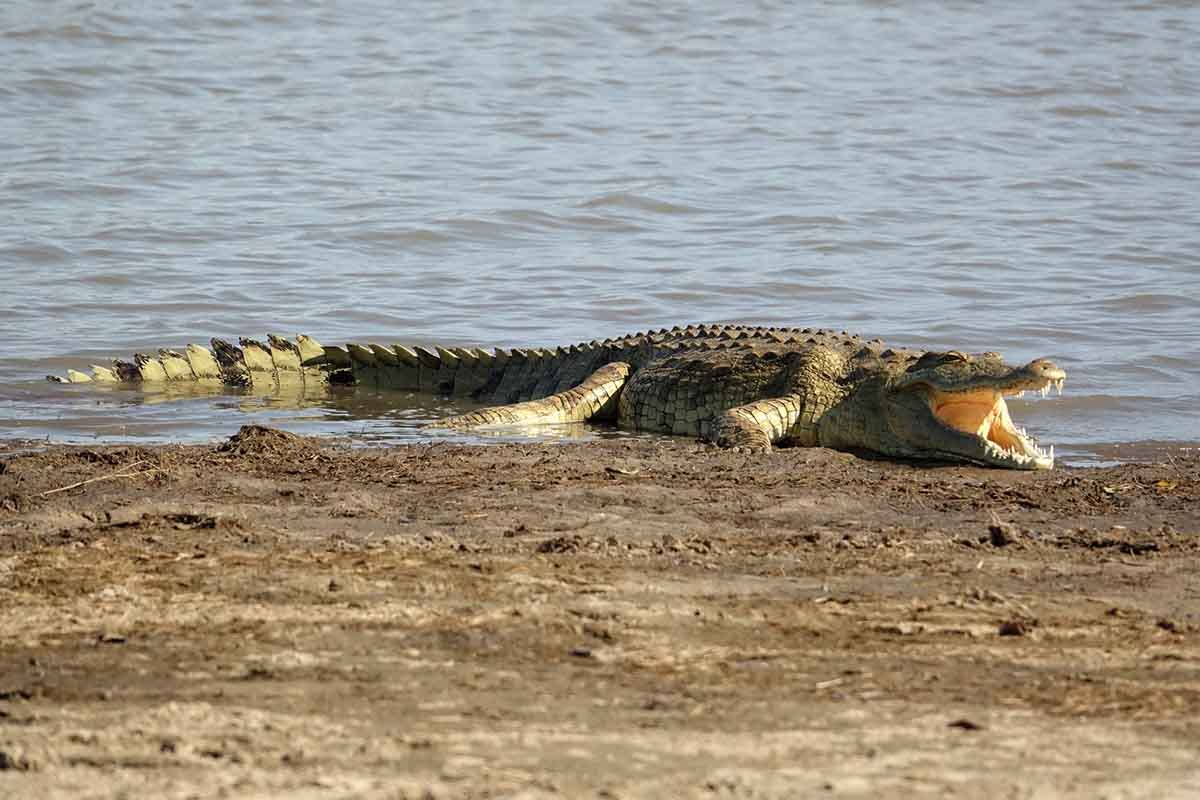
(280, 616)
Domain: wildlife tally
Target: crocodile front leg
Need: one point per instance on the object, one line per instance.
(595, 398)
(755, 426)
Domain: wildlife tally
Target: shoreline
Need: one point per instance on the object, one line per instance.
(622, 618)
(97, 414)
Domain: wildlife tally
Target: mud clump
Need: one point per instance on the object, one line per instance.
(259, 440)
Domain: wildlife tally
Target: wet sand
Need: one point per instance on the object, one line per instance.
(285, 616)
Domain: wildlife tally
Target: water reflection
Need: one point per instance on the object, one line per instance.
(200, 412)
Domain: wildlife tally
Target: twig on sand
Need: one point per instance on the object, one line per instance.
(113, 476)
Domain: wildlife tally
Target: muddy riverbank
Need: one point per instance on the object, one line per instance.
(285, 616)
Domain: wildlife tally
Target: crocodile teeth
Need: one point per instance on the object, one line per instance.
(1009, 454)
(1031, 454)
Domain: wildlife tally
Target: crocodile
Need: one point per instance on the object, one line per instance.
(733, 385)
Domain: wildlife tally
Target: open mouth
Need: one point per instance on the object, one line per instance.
(984, 414)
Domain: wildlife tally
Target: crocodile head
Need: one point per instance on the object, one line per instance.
(951, 406)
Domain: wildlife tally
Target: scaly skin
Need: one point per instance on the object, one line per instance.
(732, 385)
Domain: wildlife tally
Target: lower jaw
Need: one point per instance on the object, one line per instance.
(1032, 458)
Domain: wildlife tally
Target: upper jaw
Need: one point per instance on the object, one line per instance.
(1040, 375)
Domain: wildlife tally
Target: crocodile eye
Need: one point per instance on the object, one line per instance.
(926, 360)
(955, 355)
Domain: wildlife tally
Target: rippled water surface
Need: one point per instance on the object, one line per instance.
(969, 175)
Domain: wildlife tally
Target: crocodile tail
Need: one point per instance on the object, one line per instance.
(458, 371)
(280, 362)
(277, 362)
(495, 376)
(498, 376)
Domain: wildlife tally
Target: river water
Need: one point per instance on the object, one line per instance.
(982, 176)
